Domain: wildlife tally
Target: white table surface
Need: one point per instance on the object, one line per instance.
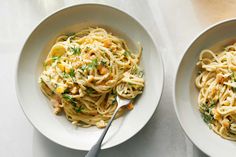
(173, 25)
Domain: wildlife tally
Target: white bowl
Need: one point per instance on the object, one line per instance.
(185, 92)
(38, 109)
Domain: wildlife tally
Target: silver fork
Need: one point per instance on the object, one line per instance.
(94, 151)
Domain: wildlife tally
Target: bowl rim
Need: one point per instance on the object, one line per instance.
(205, 30)
(20, 101)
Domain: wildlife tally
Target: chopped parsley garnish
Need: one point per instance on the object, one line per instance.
(66, 91)
(67, 97)
(72, 73)
(140, 73)
(83, 67)
(54, 58)
(87, 49)
(127, 53)
(75, 50)
(103, 63)
(206, 111)
(70, 99)
(93, 65)
(79, 109)
(207, 118)
(65, 75)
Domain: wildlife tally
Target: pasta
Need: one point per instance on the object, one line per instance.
(217, 84)
(85, 71)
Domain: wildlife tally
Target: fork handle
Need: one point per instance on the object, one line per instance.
(94, 151)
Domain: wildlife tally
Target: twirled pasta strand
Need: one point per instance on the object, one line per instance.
(217, 84)
(84, 72)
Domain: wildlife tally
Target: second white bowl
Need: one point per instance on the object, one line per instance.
(185, 92)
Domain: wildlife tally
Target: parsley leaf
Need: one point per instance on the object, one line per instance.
(70, 99)
(65, 75)
(54, 58)
(206, 111)
(72, 73)
(207, 117)
(103, 63)
(75, 50)
(127, 53)
(83, 67)
(67, 97)
(212, 104)
(91, 65)
(66, 91)
(140, 74)
(79, 109)
(94, 64)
